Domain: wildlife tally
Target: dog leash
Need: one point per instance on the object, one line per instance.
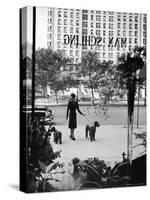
(88, 119)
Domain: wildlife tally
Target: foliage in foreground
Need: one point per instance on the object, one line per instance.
(41, 160)
(98, 175)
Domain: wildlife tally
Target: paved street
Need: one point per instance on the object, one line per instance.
(111, 139)
(111, 136)
(110, 142)
(117, 115)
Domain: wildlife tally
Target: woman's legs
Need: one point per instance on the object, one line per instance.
(72, 133)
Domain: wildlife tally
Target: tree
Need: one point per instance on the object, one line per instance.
(89, 66)
(57, 82)
(44, 69)
(129, 65)
(50, 65)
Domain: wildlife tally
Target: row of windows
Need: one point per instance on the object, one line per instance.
(112, 18)
(111, 33)
(108, 12)
(65, 29)
(98, 17)
(99, 32)
(67, 14)
(99, 25)
(65, 22)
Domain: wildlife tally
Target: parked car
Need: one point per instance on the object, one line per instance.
(42, 114)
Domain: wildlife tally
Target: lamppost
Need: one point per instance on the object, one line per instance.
(138, 96)
(33, 60)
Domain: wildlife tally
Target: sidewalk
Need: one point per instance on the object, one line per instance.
(111, 142)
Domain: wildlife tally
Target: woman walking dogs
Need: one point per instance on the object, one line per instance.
(71, 111)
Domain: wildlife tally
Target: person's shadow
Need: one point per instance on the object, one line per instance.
(14, 186)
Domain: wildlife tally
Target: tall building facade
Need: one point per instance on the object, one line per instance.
(111, 27)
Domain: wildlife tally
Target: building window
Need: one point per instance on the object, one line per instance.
(144, 34)
(59, 37)
(124, 33)
(85, 32)
(111, 33)
(124, 25)
(130, 40)
(110, 55)
(98, 12)
(119, 18)
(130, 33)
(98, 47)
(59, 21)
(77, 15)
(144, 41)
(110, 48)
(71, 52)
(104, 18)
(124, 18)
(111, 26)
(136, 33)
(50, 21)
(104, 33)
(92, 17)
(49, 36)
(144, 26)
(135, 41)
(65, 14)
(111, 13)
(111, 18)
(59, 29)
(98, 18)
(58, 45)
(65, 21)
(49, 28)
(50, 13)
(130, 48)
(98, 32)
(98, 25)
(92, 31)
(118, 33)
(71, 14)
(104, 40)
(118, 55)
(118, 25)
(85, 24)
(130, 26)
(59, 13)
(84, 47)
(104, 55)
(104, 25)
(71, 22)
(130, 18)
(136, 18)
(136, 26)
(77, 53)
(77, 22)
(85, 17)
(49, 43)
(71, 29)
(77, 61)
(91, 24)
(144, 20)
(65, 30)
(77, 30)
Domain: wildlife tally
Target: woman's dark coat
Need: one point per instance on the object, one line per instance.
(71, 111)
